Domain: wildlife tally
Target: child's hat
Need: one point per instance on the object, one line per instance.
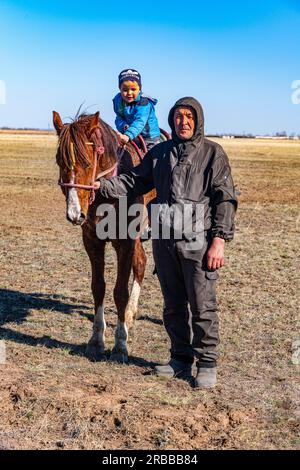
(130, 74)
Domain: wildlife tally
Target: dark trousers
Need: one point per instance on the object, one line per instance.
(190, 308)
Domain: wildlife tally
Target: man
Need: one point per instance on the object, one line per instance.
(189, 169)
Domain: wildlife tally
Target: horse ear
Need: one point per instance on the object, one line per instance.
(57, 122)
(94, 123)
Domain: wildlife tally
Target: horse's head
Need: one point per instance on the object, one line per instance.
(79, 148)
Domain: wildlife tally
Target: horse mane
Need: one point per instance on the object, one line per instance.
(74, 136)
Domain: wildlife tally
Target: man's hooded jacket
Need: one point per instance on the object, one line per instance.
(184, 172)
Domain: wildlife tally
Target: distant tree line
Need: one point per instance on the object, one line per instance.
(279, 135)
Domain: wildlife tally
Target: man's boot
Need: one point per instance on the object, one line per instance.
(174, 368)
(206, 377)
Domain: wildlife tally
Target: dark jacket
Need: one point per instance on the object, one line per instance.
(184, 171)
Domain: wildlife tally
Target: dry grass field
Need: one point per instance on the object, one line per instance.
(53, 397)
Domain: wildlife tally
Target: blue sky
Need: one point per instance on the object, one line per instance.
(238, 59)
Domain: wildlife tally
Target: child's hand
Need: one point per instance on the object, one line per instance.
(123, 139)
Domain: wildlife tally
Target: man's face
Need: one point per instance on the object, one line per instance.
(184, 122)
(129, 91)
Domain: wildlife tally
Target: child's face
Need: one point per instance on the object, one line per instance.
(129, 91)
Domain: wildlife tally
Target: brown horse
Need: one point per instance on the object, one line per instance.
(87, 149)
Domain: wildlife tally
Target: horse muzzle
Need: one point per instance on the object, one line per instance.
(77, 221)
(74, 211)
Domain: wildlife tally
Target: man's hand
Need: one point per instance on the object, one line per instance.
(97, 185)
(215, 254)
(123, 138)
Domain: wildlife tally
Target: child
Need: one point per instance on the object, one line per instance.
(135, 112)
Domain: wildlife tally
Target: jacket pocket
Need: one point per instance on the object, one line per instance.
(180, 178)
(212, 275)
(193, 186)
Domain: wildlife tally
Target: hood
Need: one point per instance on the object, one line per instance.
(198, 136)
(153, 100)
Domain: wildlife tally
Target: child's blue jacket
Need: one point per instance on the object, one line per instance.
(139, 116)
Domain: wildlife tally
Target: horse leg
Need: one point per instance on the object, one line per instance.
(95, 250)
(124, 250)
(139, 261)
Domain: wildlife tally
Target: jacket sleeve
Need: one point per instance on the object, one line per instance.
(120, 123)
(132, 184)
(224, 200)
(141, 117)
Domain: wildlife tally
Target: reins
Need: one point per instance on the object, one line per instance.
(99, 150)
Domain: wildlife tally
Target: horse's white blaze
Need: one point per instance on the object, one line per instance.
(99, 327)
(73, 206)
(132, 305)
(121, 337)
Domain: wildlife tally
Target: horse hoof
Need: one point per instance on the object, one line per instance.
(121, 358)
(94, 353)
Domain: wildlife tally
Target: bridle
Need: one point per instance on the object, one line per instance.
(98, 150)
